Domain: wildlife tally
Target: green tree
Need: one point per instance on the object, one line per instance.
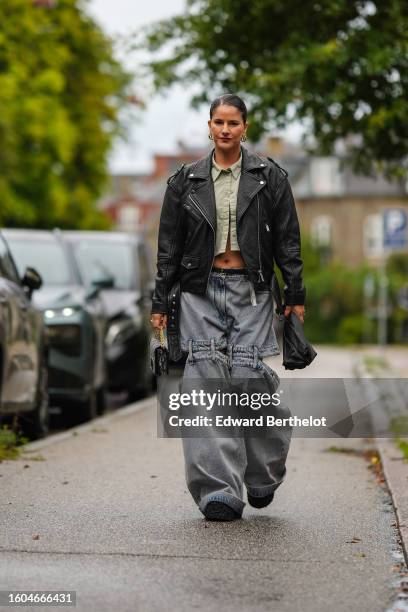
(60, 94)
(337, 311)
(339, 66)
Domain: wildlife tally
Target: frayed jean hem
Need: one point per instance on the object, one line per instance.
(226, 498)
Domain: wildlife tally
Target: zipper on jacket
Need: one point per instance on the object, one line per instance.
(196, 204)
(240, 248)
(208, 277)
(260, 275)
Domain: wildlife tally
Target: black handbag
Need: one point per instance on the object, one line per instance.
(159, 354)
(297, 351)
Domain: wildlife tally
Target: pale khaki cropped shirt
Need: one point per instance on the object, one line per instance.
(226, 183)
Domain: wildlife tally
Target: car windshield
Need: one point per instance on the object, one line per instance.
(110, 258)
(46, 256)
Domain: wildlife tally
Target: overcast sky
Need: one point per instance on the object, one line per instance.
(166, 119)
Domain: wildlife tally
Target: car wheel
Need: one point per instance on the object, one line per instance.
(35, 424)
(101, 400)
(88, 409)
(76, 412)
(145, 386)
(136, 394)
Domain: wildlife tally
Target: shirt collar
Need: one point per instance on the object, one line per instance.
(235, 168)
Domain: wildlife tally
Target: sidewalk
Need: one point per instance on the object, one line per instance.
(115, 523)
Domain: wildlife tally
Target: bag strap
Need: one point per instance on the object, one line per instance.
(159, 334)
(280, 305)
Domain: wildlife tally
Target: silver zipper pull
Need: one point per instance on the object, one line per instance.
(261, 276)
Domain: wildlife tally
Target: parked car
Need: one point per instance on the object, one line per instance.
(127, 259)
(23, 349)
(75, 320)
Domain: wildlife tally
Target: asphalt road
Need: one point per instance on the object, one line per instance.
(113, 521)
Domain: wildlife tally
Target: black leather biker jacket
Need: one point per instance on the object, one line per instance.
(267, 229)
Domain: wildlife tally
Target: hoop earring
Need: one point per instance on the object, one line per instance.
(243, 138)
(210, 136)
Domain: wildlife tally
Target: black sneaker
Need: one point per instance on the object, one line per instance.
(217, 511)
(260, 502)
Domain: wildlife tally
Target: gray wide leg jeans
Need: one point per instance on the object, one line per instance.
(226, 333)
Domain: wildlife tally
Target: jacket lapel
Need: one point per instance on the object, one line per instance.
(203, 188)
(250, 183)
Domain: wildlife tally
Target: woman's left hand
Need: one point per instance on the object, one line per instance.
(299, 310)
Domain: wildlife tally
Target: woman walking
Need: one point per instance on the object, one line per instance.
(226, 219)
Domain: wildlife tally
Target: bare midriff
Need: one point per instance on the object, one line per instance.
(229, 259)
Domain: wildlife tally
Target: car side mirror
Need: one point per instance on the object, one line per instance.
(31, 279)
(101, 281)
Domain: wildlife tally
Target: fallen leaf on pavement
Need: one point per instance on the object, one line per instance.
(353, 541)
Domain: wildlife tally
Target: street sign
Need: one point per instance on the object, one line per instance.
(395, 225)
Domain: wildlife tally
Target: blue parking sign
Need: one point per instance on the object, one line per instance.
(395, 228)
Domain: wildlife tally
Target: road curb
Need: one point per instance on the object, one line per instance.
(111, 417)
(395, 471)
(396, 475)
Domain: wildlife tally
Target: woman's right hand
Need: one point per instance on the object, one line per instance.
(158, 321)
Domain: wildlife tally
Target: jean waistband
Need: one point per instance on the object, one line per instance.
(241, 271)
(237, 272)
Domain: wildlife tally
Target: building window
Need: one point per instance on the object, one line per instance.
(325, 176)
(373, 236)
(321, 231)
(129, 217)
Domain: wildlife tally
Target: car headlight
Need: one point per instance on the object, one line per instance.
(66, 313)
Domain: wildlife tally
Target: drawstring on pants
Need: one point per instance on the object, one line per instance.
(252, 293)
(255, 357)
(190, 351)
(230, 349)
(212, 344)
